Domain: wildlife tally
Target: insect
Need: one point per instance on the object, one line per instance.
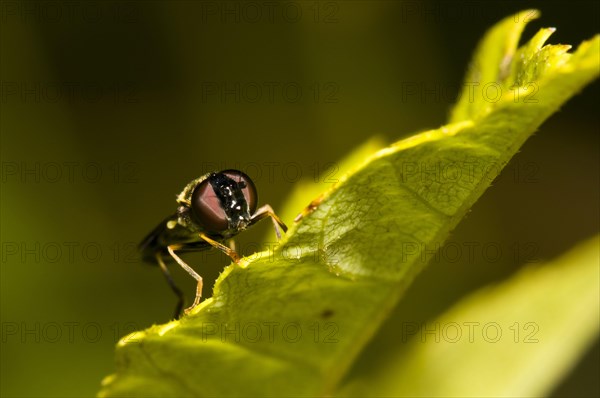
(212, 210)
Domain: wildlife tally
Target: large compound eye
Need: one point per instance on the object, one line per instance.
(207, 208)
(223, 199)
(247, 187)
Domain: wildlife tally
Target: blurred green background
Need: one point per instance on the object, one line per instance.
(109, 108)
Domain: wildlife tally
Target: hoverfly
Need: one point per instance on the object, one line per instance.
(212, 210)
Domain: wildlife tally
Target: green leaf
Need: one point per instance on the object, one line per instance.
(515, 339)
(292, 321)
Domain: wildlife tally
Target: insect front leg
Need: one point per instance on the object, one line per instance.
(267, 211)
(227, 250)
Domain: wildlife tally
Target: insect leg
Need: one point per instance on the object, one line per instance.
(176, 290)
(231, 244)
(227, 250)
(267, 211)
(171, 249)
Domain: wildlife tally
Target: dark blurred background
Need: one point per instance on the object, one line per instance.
(109, 108)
